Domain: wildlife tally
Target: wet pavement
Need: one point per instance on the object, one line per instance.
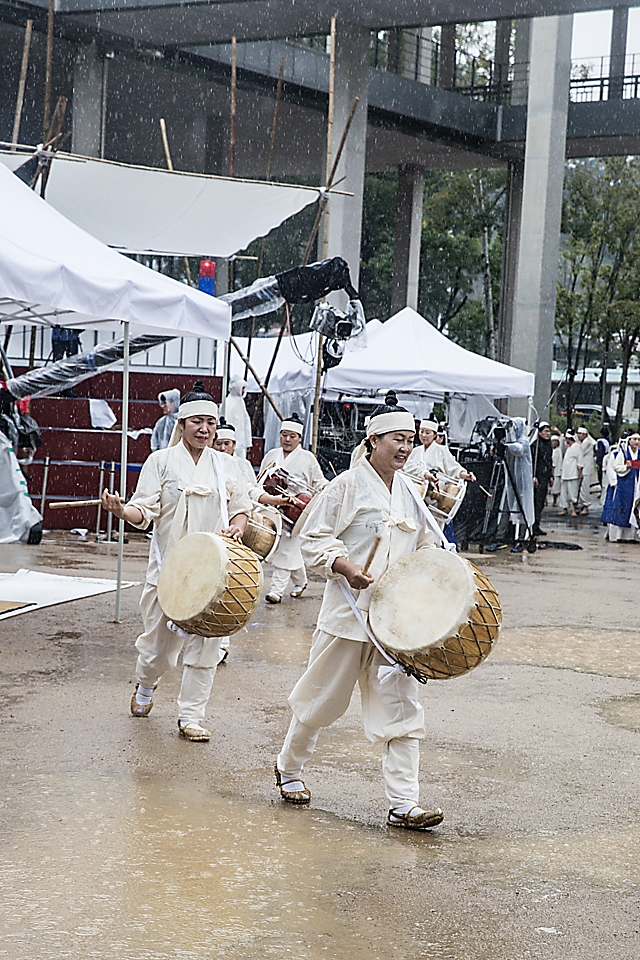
(121, 841)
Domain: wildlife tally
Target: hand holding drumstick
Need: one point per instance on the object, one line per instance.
(121, 510)
(357, 577)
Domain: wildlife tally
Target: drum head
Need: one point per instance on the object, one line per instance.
(422, 599)
(193, 575)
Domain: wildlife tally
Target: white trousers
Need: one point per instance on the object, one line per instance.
(585, 490)
(158, 651)
(569, 494)
(391, 712)
(280, 579)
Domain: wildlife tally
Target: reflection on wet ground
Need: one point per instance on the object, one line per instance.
(613, 653)
(623, 711)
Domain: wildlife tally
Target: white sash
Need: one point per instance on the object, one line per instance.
(384, 673)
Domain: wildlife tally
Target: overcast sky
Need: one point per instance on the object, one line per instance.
(592, 33)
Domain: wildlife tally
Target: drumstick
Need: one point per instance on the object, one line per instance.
(372, 553)
(490, 495)
(63, 504)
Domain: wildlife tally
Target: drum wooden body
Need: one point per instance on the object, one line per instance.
(263, 531)
(279, 483)
(445, 500)
(210, 585)
(435, 613)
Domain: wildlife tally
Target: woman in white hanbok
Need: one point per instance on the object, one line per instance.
(186, 488)
(373, 498)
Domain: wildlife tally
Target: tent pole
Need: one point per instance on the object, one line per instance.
(123, 462)
(21, 85)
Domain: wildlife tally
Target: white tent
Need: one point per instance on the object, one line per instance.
(170, 213)
(409, 355)
(52, 272)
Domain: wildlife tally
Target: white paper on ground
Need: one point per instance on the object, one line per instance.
(48, 589)
(102, 416)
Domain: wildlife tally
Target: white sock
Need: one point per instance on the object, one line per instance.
(405, 807)
(144, 695)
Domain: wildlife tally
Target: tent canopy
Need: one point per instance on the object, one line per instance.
(52, 272)
(409, 355)
(166, 213)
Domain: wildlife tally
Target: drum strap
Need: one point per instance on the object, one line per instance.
(384, 673)
(222, 490)
(427, 513)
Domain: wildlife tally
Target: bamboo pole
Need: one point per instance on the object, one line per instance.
(22, 83)
(274, 127)
(167, 155)
(48, 69)
(234, 86)
(264, 390)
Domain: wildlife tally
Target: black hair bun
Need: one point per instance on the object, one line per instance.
(198, 387)
(223, 423)
(295, 417)
(391, 399)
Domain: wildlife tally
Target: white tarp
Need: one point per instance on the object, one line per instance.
(145, 210)
(409, 355)
(52, 272)
(37, 590)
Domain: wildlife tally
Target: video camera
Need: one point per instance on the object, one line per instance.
(493, 432)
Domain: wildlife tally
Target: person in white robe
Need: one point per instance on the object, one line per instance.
(571, 476)
(235, 412)
(302, 466)
(225, 442)
(372, 498)
(169, 401)
(556, 460)
(186, 488)
(432, 456)
(587, 445)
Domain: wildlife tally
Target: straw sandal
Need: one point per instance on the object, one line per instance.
(291, 796)
(192, 730)
(140, 709)
(420, 820)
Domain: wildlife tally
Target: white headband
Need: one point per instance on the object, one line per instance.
(292, 425)
(197, 408)
(225, 433)
(429, 425)
(394, 420)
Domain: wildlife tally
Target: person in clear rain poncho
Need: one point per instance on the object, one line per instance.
(235, 412)
(161, 436)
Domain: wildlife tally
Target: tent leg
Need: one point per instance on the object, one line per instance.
(123, 463)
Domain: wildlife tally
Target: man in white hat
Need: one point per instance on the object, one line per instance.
(225, 442)
(371, 499)
(572, 465)
(587, 445)
(186, 488)
(301, 465)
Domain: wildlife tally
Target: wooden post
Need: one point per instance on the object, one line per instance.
(21, 84)
(234, 85)
(48, 68)
(264, 390)
(167, 154)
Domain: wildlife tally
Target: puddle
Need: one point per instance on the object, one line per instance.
(622, 712)
(611, 653)
(136, 868)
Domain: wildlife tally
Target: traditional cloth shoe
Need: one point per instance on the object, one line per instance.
(192, 730)
(416, 818)
(298, 591)
(291, 796)
(273, 598)
(140, 709)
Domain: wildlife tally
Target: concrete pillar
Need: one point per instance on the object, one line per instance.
(447, 59)
(618, 52)
(537, 271)
(502, 50)
(522, 42)
(89, 102)
(510, 247)
(406, 258)
(351, 80)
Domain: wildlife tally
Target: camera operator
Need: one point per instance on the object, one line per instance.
(542, 457)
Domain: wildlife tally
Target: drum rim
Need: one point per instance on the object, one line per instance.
(165, 571)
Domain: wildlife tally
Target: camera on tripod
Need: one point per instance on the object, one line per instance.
(493, 432)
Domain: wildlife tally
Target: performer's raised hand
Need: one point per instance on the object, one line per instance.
(113, 503)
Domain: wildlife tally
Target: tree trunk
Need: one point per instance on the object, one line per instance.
(629, 347)
(603, 382)
(490, 327)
